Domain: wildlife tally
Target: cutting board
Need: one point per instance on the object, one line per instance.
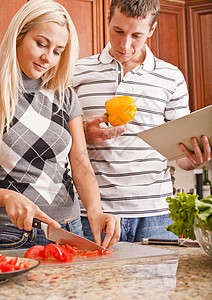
(122, 251)
(165, 137)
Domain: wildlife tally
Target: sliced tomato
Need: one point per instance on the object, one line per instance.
(90, 254)
(77, 249)
(107, 252)
(36, 252)
(66, 255)
(3, 258)
(71, 249)
(53, 252)
(12, 261)
(23, 265)
(5, 267)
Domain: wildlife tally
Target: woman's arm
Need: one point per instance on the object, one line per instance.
(21, 210)
(88, 190)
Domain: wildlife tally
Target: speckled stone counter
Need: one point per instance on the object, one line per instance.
(186, 276)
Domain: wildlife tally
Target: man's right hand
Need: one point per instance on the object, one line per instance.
(95, 134)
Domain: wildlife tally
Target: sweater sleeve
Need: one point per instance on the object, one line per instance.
(72, 104)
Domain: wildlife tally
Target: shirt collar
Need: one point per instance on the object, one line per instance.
(148, 63)
(105, 57)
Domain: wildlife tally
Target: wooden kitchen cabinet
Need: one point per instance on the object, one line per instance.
(169, 40)
(87, 16)
(200, 54)
(184, 38)
(8, 8)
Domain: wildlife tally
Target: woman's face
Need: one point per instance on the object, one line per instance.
(41, 48)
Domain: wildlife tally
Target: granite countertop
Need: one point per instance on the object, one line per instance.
(186, 276)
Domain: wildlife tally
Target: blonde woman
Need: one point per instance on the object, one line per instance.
(41, 132)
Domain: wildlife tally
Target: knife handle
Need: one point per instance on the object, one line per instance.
(40, 225)
(36, 223)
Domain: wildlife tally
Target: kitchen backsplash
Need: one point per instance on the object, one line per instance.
(186, 180)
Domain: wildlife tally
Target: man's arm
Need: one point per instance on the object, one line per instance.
(194, 160)
(95, 134)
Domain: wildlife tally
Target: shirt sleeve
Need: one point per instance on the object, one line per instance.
(178, 105)
(72, 104)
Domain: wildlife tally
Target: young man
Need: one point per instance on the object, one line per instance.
(134, 179)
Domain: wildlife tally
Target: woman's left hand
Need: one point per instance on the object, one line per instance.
(197, 157)
(110, 224)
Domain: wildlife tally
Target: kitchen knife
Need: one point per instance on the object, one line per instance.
(65, 237)
(181, 242)
(160, 241)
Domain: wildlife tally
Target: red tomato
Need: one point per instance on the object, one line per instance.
(36, 252)
(10, 265)
(107, 252)
(5, 267)
(90, 254)
(66, 255)
(62, 253)
(53, 252)
(23, 265)
(71, 249)
(3, 258)
(13, 261)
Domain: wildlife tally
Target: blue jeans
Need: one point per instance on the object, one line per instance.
(13, 238)
(134, 229)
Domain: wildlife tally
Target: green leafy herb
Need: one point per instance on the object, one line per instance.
(184, 209)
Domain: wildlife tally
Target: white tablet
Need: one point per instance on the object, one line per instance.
(165, 138)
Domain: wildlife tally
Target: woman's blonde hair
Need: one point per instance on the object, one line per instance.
(58, 78)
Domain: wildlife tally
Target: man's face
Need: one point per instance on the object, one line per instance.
(128, 35)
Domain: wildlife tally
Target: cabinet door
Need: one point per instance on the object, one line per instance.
(87, 16)
(169, 39)
(8, 8)
(200, 32)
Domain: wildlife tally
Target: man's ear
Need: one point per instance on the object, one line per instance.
(108, 17)
(153, 29)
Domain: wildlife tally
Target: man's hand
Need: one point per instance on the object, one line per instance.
(95, 134)
(110, 224)
(194, 160)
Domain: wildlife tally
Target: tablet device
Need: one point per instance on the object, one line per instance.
(165, 138)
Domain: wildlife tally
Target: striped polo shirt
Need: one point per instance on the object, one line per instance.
(133, 178)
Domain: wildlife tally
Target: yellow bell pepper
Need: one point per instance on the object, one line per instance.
(120, 110)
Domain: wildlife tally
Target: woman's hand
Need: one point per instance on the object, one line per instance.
(197, 157)
(21, 210)
(110, 224)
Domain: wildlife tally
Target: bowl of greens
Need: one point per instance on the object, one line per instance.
(204, 237)
(192, 218)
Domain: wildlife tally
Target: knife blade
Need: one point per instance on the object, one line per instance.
(65, 237)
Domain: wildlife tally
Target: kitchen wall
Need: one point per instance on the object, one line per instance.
(186, 179)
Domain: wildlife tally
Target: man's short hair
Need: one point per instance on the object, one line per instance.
(136, 8)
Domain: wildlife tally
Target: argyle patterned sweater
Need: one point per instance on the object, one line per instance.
(34, 152)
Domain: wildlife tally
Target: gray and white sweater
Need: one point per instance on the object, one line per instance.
(34, 152)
